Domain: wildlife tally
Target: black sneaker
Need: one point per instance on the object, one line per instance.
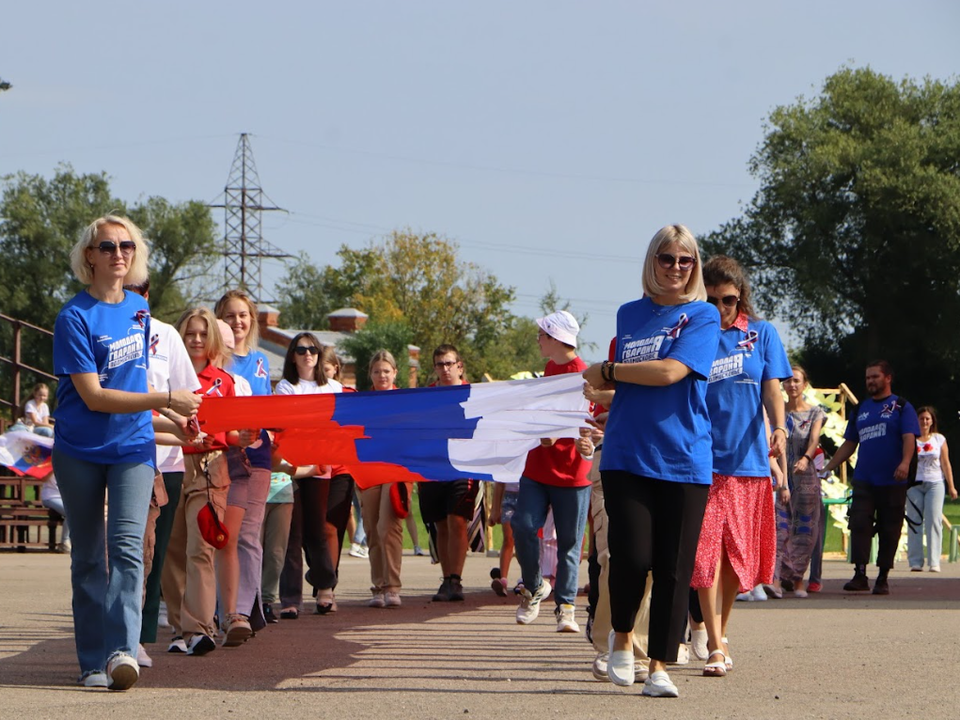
(268, 614)
(456, 589)
(881, 586)
(443, 594)
(859, 583)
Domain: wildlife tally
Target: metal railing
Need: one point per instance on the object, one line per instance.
(16, 362)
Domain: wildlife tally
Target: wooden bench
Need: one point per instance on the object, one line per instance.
(23, 517)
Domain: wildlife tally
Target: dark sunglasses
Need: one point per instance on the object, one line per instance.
(127, 247)
(727, 300)
(667, 261)
(303, 350)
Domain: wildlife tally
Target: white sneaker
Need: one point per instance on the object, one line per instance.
(745, 597)
(123, 672)
(698, 644)
(162, 620)
(358, 551)
(377, 601)
(620, 664)
(93, 679)
(599, 667)
(530, 603)
(659, 685)
(758, 593)
(565, 619)
(143, 660)
(201, 644)
(177, 645)
(391, 599)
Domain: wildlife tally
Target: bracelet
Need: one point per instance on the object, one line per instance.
(169, 397)
(809, 459)
(780, 427)
(613, 371)
(604, 370)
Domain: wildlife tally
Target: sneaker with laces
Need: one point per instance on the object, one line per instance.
(143, 660)
(418, 551)
(599, 667)
(456, 589)
(530, 603)
(162, 619)
(759, 594)
(177, 645)
(566, 623)
(814, 587)
(659, 685)
(859, 583)
(391, 599)
(122, 671)
(443, 593)
(358, 551)
(93, 679)
(200, 644)
(377, 601)
(238, 630)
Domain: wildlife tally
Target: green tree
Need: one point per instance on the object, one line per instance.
(854, 233)
(415, 279)
(183, 251)
(40, 221)
(362, 345)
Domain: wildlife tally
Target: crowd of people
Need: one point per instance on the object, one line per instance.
(696, 479)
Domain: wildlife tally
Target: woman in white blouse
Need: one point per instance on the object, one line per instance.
(925, 499)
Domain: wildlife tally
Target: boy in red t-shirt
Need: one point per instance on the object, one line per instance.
(555, 477)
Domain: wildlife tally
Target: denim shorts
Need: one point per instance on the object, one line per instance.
(508, 506)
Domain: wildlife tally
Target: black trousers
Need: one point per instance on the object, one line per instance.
(876, 509)
(654, 527)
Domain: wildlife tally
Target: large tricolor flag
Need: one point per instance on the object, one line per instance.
(482, 431)
(26, 453)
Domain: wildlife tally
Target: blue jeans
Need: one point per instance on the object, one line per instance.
(925, 517)
(107, 561)
(570, 517)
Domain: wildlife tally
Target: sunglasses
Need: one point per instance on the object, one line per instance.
(304, 349)
(727, 300)
(684, 262)
(127, 247)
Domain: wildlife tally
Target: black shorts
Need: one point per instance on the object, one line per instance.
(440, 499)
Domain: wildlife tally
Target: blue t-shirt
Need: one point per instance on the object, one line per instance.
(255, 369)
(90, 336)
(745, 359)
(879, 427)
(663, 432)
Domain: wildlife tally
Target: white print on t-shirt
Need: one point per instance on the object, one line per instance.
(642, 350)
(873, 431)
(125, 350)
(727, 367)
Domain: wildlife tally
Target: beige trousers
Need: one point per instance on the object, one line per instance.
(601, 614)
(189, 581)
(384, 538)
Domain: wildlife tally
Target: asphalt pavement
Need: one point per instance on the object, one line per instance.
(832, 655)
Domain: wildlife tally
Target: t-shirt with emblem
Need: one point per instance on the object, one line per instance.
(255, 368)
(663, 432)
(110, 340)
(749, 353)
(879, 427)
(170, 368)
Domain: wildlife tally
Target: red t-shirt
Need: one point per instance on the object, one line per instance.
(214, 382)
(560, 464)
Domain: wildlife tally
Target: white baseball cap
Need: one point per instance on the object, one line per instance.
(561, 326)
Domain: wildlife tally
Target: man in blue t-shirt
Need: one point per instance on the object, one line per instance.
(885, 428)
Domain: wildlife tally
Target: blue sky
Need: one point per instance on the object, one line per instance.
(549, 139)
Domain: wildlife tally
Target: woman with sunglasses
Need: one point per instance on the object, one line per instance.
(104, 443)
(656, 459)
(738, 543)
(303, 375)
